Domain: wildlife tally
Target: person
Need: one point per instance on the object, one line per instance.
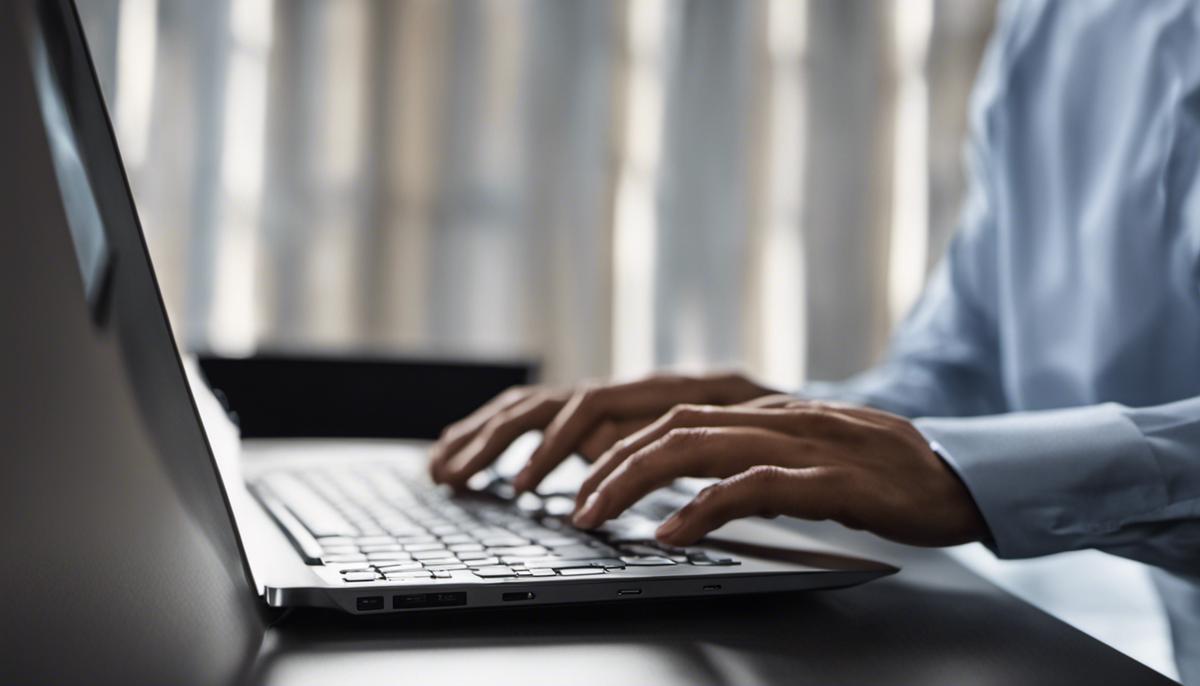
(1044, 393)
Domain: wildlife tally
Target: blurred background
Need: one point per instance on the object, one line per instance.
(604, 187)
(607, 187)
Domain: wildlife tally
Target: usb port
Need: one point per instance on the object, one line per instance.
(412, 601)
(629, 591)
(369, 603)
(712, 587)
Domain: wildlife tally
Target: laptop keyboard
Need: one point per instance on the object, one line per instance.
(376, 523)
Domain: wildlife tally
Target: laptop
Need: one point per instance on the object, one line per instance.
(353, 526)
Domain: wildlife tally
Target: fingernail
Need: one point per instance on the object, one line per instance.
(669, 527)
(591, 508)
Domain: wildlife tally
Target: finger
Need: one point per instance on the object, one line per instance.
(458, 434)
(495, 436)
(590, 406)
(608, 433)
(700, 452)
(811, 493)
(795, 422)
(860, 412)
(775, 400)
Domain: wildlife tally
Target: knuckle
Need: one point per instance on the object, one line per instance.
(494, 427)
(765, 474)
(707, 495)
(638, 463)
(818, 408)
(590, 397)
(814, 416)
(686, 412)
(724, 376)
(620, 446)
(513, 392)
(682, 438)
(502, 418)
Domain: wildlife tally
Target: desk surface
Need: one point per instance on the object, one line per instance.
(933, 623)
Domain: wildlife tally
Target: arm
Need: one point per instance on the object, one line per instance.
(1119, 479)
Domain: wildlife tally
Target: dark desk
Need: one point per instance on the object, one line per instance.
(934, 623)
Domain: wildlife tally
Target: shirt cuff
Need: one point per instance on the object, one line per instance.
(1053, 480)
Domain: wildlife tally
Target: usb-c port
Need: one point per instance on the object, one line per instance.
(712, 587)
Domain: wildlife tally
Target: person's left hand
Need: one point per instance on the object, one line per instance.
(862, 467)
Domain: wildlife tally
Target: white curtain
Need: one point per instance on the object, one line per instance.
(605, 187)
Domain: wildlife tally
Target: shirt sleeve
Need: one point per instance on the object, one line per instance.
(943, 359)
(1119, 479)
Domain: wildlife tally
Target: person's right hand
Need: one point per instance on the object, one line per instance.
(587, 420)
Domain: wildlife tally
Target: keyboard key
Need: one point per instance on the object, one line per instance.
(581, 552)
(423, 547)
(327, 541)
(339, 550)
(380, 548)
(485, 562)
(642, 549)
(402, 529)
(503, 541)
(466, 547)
(373, 540)
(400, 567)
(494, 572)
(358, 577)
(520, 551)
(646, 561)
(356, 570)
(558, 506)
(384, 557)
(575, 564)
(415, 540)
(557, 541)
(529, 503)
(336, 559)
(473, 555)
(581, 571)
(702, 559)
(458, 539)
(434, 555)
(409, 575)
(445, 566)
(541, 571)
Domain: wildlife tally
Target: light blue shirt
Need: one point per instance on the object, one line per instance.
(1055, 355)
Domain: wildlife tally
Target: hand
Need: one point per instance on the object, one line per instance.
(587, 420)
(864, 468)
